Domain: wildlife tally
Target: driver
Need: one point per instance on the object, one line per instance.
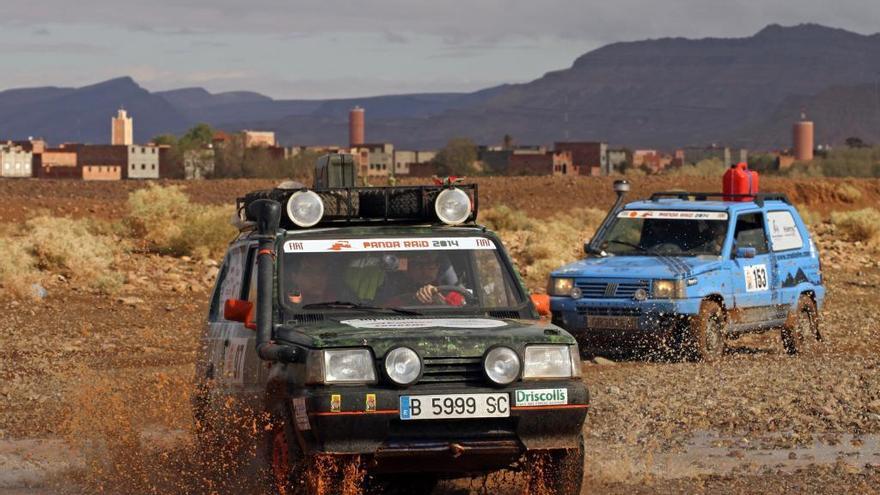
(418, 281)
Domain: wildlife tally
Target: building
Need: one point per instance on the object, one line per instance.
(142, 162)
(374, 159)
(586, 156)
(497, 159)
(356, 130)
(404, 159)
(57, 163)
(803, 136)
(15, 161)
(547, 163)
(101, 161)
(255, 139)
(618, 160)
(35, 146)
(724, 154)
(121, 129)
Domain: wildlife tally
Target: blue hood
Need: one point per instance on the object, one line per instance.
(640, 267)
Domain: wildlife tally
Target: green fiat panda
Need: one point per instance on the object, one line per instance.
(383, 328)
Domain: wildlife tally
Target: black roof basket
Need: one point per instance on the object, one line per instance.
(758, 198)
(345, 206)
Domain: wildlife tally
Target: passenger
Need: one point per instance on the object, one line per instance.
(308, 283)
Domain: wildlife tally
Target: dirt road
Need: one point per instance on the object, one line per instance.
(94, 389)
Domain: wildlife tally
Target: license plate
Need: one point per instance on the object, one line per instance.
(613, 322)
(453, 406)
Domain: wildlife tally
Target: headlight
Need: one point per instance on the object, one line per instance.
(668, 289)
(561, 286)
(403, 366)
(502, 365)
(341, 366)
(453, 206)
(547, 361)
(305, 208)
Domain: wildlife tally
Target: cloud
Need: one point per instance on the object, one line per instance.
(457, 22)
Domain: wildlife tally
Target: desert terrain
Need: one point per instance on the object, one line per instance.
(95, 381)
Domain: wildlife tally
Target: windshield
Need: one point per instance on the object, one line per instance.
(667, 233)
(453, 273)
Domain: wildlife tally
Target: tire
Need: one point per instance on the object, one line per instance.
(557, 472)
(706, 332)
(801, 333)
(285, 466)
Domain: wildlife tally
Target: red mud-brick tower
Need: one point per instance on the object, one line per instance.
(356, 126)
(803, 139)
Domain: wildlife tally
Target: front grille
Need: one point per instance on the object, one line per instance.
(600, 288)
(596, 311)
(452, 370)
(508, 315)
(305, 319)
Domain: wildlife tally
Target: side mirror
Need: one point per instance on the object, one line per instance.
(746, 252)
(241, 311)
(542, 304)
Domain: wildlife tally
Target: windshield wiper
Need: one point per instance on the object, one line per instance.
(358, 306)
(624, 243)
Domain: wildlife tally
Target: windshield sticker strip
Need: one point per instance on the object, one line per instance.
(387, 244)
(399, 323)
(674, 215)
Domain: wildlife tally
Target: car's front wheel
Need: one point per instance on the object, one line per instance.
(557, 472)
(707, 332)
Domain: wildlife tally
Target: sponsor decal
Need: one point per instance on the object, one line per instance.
(674, 215)
(388, 244)
(301, 414)
(403, 323)
(542, 397)
(370, 403)
(783, 232)
(756, 278)
(335, 403)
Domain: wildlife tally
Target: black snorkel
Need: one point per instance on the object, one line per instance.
(621, 187)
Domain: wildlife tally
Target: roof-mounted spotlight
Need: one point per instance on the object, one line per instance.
(453, 206)
(305, 208)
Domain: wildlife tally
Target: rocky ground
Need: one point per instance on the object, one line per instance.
(94, 389)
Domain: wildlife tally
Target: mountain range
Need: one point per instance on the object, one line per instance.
(663, 93)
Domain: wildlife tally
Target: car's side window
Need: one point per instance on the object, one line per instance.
(251, 288)
(784, 233)
(231, 286)
(750, 232)
(214, 312)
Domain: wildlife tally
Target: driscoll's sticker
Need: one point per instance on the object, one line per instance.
(542, 397)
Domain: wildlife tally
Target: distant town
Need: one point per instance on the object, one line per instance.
(122, 159)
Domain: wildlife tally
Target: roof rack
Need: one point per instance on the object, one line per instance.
(366, 205)
(758, 198)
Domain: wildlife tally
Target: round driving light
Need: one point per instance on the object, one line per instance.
(502, 365)
(453, 206)
(640, 295)
(305, 208)
(403, 366)
(576, 293)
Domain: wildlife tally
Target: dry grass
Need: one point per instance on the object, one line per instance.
(539, 246)
(165, 222)
(17, 270)
(848, 193)
(860, 225)
(811, 218)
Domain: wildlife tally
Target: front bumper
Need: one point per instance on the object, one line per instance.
(346, 420)
(647, 322)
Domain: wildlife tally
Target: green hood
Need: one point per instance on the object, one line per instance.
(430, 337)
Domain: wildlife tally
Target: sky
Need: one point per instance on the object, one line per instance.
(346, 48)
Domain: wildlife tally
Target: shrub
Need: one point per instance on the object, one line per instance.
(67, 246)
(167, 223)
(711, 167)
(859, 225)
(809, 216)
(848, 193)
(503, 217)
(17, 268)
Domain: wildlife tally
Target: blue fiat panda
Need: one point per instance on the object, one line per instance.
(688, 271)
